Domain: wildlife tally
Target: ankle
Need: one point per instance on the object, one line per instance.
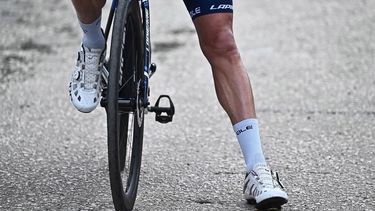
(93, 36)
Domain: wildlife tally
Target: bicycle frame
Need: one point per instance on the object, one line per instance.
(147, 49)
(145, 7)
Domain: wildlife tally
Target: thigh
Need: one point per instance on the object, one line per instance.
(198, 8)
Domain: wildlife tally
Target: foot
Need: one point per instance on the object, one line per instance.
(85, 84)
(263, 188)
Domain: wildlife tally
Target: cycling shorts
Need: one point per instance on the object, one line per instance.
(198, 8)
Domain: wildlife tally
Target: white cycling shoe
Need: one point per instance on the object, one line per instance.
(85, 85)
(263, 188)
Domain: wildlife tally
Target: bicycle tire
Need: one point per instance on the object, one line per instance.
(125, 134)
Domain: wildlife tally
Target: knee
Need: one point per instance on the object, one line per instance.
(219, 45)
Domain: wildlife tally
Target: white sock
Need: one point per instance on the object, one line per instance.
(92, 34)
(247, 132)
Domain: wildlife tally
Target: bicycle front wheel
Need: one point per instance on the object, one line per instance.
(125, 113)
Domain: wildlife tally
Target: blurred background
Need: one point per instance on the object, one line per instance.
(312, 69)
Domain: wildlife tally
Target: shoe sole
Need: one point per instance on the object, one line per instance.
(271, 203)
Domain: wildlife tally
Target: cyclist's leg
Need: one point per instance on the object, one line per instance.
(89, 16)
(235, 95)
(232, 83)
(85, 86)
(213, 22)
(233, 88)
(88, 10)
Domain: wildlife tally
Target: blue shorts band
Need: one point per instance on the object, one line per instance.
(198, 8)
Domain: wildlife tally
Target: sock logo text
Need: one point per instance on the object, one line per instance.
(249, 127)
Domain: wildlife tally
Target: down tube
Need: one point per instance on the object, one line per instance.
(147, 46)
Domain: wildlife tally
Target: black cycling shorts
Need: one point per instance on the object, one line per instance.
(198, 8)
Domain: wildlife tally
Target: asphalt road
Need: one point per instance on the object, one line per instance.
(312, 69)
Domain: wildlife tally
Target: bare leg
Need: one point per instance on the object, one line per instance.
(88, 10)
(232, 84)
(234, 92)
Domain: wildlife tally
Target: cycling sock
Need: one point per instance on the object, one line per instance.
(247, 132)
(92, 34)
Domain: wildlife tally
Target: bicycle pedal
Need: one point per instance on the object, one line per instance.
(163, 114)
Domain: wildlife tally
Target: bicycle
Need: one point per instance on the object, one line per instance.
(125, 96)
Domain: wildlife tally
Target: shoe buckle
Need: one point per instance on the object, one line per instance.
(77, 75)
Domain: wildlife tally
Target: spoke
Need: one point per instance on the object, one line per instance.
(131, 131)
(126, 82)
(129, 149)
